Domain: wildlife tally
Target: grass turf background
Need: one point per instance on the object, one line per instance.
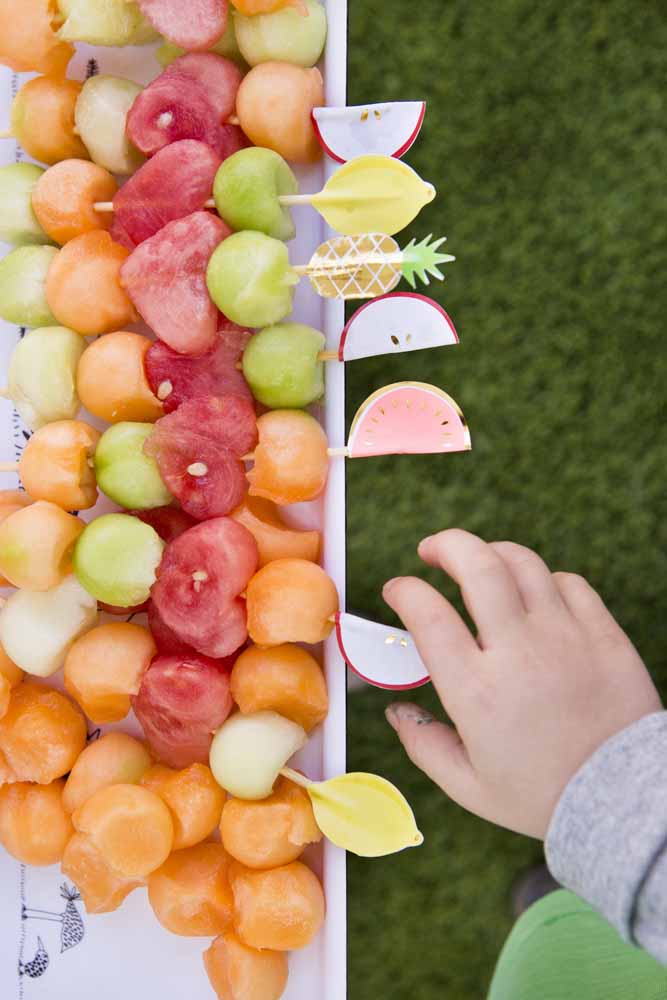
(545, 136)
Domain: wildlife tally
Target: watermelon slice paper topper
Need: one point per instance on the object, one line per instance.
(383, 656)
(394, 324)
(408, 418)
(390, 129)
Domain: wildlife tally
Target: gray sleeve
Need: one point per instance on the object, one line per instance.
(608, 836)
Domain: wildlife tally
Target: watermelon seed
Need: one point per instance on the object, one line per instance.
(165, 119)
(197, 469)
(164, 389)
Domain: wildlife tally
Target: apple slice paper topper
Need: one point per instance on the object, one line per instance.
(383, 656)
(366, 266)
(396, 323)
(362, 813)
(390, 129)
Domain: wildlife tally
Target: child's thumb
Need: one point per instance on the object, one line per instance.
(436, 749)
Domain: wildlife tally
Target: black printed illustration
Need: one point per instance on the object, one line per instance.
(39, 964)
(72, 927)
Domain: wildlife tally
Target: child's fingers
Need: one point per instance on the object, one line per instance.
(488, 588)
(533, 577)
(584, 602)
(436, 749)
(444, 641)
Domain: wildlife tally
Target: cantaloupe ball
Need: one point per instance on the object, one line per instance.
(42, 734)
(34, 826)
(36, 545)
(113, 759)
(42, 118)
(64, 198)
(194, 798)
(10, 502)
(102, 889)
(112, 382)
(190, 894)
(56, 464)
(130, 826)
(291, 600)
(272, 832)
(28, 42)
(284, 679)
(104, 669)
(237, 972)
(275, 539)
(9, 670)
(274, 104)
(291, 459)
(281, 909)
(83, 285)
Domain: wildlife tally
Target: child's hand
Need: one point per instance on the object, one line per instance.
(549, 678)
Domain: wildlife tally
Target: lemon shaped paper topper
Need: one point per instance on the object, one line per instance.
(373, 194)
(362, 813)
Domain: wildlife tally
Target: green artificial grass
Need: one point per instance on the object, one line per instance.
(545, 136)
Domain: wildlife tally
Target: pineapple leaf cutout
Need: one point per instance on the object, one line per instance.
(423, 259)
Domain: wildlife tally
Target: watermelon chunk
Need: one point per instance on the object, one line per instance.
(196, 25)
(199, 581)
(174, 377)
(182, 701)
(176, 182)
(191, 99)
(198, 449)
(165, 640)
(169, 522)
(166, 279)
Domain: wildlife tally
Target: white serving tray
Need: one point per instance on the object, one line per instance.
(127, 954)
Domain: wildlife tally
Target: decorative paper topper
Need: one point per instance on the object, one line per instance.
(408, 418)
(384, 657)
(366, 266)
(362, 813)
(396, 323)
(390, 129)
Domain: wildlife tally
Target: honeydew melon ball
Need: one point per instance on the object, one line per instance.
(246, 191)
(105, 22)
(100, 116)
(23, 286)
(248, 752)
(37, 629)
(226, 46)
(125, 473)
(116, 558)
(250, 279)
(18, 222)
(284, 36)
(281, 367)
(42, 375)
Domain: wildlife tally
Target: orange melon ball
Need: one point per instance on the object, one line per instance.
(42, 118)
(190, 894)
(284, 679)
(275, 539)
(10, 502)
(83, 287)
(291, 600)
(271, 832)
(111, 380)
(57, 464)
(274, 104)
(42, 734)
(5, 695)
(34, 827)
(194, 798)
(114, 759)
(104, 669)
(281, 909)
(130, 826)
(102, 889)
(291, 458)
(28, 42)
(36, 545)
(237, 972)
(10, 676)
(64, 197)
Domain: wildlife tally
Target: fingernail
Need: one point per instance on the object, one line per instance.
(390, 584)
(425, 541)
(391, 715)
(398, 713)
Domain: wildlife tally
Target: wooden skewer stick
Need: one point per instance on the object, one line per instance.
(9, 466)
(6, 133)
(322, 356)
(297, 778)
(284, 199)
(332, 453)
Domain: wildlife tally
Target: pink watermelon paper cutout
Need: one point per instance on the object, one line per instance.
(394, 324)
(408, 418)
(384, 657)
(388, 129)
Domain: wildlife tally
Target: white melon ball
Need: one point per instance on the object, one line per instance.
(249, 751)
(42, 375)
(105, 22)
(100, 116)
(18, 222)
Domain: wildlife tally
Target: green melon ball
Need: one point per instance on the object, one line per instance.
(18, 222)
(105, 22)
(42, 375)
(250, 279)
(281, 367)
(246, 191)
(23, 286)
(100, 116)
(116, 558)
(284, 36)
(125, 473)
(226, 46)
